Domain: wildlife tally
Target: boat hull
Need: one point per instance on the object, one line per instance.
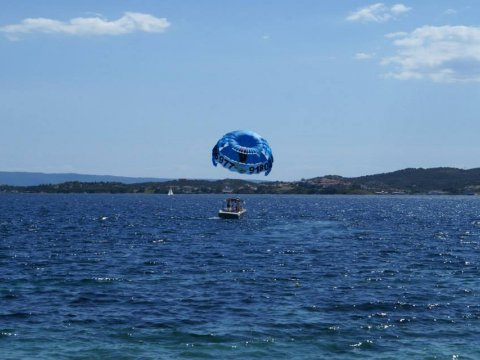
(231, 214)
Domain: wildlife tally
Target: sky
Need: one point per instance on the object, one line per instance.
(147, 87)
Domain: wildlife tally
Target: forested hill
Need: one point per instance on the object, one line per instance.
(422, 180)
(20, 178)
(408, 181)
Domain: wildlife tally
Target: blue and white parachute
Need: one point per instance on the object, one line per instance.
(244, 152)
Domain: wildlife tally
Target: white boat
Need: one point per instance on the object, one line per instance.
(233, 209)
(170, 192)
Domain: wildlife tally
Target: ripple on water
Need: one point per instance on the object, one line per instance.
(321, 277)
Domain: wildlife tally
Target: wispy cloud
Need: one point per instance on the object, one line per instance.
(450, 12)
(378, 13)
(363, 56)
(438, 53)
(394, 35)
(399, 9)
(87, 26)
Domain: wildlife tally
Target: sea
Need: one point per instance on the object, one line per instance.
(299, 277)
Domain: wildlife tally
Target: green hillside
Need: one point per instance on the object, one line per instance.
(408, 181)
(446, 179)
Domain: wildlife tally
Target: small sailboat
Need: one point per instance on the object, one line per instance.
(170, 192)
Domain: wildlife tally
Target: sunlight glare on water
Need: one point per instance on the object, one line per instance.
(135, 276)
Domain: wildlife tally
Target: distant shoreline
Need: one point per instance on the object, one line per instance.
(434, 181)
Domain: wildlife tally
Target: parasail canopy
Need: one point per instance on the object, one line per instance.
(243, 151)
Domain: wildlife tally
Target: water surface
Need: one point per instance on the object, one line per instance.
(300, 277)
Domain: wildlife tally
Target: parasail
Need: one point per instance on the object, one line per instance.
(244, 152)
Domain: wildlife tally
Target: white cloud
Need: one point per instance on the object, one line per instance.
(438, 53)
(399, 9)
(378, 13)
(396, 35)
(450, 12)
(88, 26)
(363, 56)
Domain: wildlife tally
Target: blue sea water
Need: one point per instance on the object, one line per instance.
(300, 277)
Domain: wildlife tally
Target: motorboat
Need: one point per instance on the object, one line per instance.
(232, 209)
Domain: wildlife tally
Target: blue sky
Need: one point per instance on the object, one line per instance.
(146, 88)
